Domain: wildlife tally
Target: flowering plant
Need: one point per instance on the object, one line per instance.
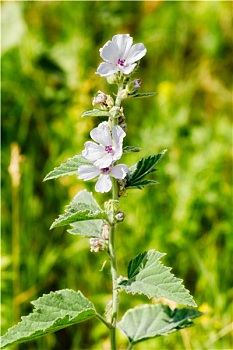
(146, 274)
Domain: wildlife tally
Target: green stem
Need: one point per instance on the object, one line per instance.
(114, 269)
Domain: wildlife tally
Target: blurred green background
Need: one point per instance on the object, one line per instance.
(50, 52)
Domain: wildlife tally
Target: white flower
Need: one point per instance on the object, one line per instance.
(109, 147)
(120, 55)
(104, 183)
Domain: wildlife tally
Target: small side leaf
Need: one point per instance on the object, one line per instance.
(146, 275)
(130, 149)
(143, 94)
(150, 321)
(141, 169)
(96, 113)
(52, 312)
(83, 207)
(69, 167)
(142, 183)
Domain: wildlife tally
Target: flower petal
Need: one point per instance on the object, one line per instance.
(104, 183)
(119, 171)
(109, 52)
(117, 134)
(136, 52)
(123, 42)
(102, 134)
(92, 151)
(106, 69)
(88, 172)
(104, 161)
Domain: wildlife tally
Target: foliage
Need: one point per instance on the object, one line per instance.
(47, 82)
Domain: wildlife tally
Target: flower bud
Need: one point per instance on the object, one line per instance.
(97, 244)
(113, 79)
(116, 112)
(133, 86)
(105, 101)
(120, 216)
(123, 94)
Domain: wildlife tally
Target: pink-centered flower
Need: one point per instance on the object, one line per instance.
(120, 55)
(107, 147)
(104, 183)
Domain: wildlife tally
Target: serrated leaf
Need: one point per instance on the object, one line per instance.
(142, 183)
(141, 169)
(96, 113)
(90, 228)
(83, 207)
(69, 167)
(52, 312)
(130, 149)
(142, 94)
(146, 275)
(150, 321)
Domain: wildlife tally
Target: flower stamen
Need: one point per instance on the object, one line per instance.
(109, 149)
(121, 62)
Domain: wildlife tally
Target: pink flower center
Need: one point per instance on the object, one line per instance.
(105, 170)
(121, 62)
(109, 149)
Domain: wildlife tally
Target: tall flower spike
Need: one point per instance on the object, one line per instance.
(108, 148)
(104, 183)
(120, 55)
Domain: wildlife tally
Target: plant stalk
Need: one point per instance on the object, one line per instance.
(114, 269)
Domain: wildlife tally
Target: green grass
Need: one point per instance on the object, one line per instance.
(49, 56)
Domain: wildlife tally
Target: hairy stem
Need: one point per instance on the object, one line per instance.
(114, 269)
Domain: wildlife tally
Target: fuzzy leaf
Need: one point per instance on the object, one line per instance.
(82, 207)
(69, 167)
(141, 169)
(96, 113)
(129, 149)
(146, 275)
(89, 228)
(143, 94)
(150, 321)
(52, 312)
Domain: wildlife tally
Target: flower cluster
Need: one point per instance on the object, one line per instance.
(121, 58)
(103, 153)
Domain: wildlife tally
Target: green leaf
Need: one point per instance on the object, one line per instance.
(146, 275)
(150, 321)
(142, 95)
(96, 113)
(69, 167)
(144, 167)
(142, 183)
(89, 228)
(129, 149)
(82, 207)
(52, 312)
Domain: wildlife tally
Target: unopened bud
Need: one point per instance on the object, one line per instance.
(123, 94)
(120, 216)
(116, 112)
(113, 79)
(97, 244)
(133, 86)
(105, 101)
